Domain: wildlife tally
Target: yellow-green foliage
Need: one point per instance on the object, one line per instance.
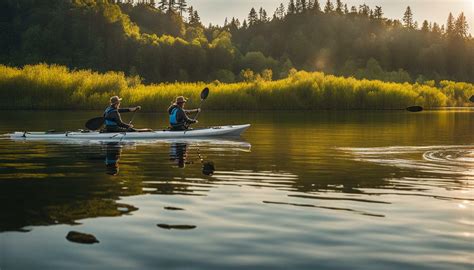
(55, 87)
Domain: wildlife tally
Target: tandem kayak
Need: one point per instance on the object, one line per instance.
(236, 130)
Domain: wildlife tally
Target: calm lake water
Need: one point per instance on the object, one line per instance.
(306, 190)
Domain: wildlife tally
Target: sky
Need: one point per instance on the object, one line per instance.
(215, 11)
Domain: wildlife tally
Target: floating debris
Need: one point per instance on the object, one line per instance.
(82, 238)
(173, 208)
(176, 227)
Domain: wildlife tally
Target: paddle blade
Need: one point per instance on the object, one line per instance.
(471, 99)
(204, 93)
(415, 109)
(95, 123)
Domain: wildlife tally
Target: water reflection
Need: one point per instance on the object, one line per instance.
(178, 154)
(72, 187)
(112, 157)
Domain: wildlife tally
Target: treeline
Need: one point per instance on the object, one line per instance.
(56, 87)
(165, 41)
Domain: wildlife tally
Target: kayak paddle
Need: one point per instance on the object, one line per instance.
(95, 123)
(204, 94)
(129, 123)
(415, 109)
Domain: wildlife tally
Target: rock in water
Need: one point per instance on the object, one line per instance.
(82, 238)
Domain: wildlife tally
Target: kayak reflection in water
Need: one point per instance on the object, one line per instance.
(112, 157)
(113, 120)
(179, 120)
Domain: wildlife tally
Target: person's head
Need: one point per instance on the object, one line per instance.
(180, 101)
(115, 101)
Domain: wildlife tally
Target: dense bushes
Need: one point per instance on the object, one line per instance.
(55, 87)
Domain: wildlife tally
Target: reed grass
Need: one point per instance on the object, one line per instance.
(54, 87)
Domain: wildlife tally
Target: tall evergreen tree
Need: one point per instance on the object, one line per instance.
(461, 26)
(346, 10)
(299, 6)
(353, 10)
(280, 12)
(408, 18)
(425, 27)
(329, 7)
(378, 13)
(190, 14)
(450, 25)
(253, 17)
(162, 5)
(182, 6)
(291, 7)
(364, 10)
(315, 6)
(436, 29)
(339, 7)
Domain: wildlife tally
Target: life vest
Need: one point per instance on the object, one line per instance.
(108, 121)
(174, 117)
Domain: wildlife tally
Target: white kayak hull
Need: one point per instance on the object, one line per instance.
(220, 131)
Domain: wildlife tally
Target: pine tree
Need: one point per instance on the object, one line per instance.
(378, 13)
(408, 18)
(253, 17)
(436, 29)
(171, 5)
(346, 10)
(315, 7)
(280, 12)
(196, 19)
(291, 7)
(425, 27)
(339, 7)
(262, 15)
(299, 6)
(353, 10)
(162, 5)
(244, 24)
(364, 10)
(461, 26)
(329, 7)
(304, 5)
(450, 25)
(182, 6)
(190, 14)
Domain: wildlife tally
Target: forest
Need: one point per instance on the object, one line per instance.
(165, 41)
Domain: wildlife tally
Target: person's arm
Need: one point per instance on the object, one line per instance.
(192, 111)
(116, 116)
(183, 117)
(126, 110)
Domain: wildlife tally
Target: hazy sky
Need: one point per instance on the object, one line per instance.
(215, 11)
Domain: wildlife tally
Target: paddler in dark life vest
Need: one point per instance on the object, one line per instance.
(113, 121)
(179, 119)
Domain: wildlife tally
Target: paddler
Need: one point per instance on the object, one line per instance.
(179, 119)
(113, 121)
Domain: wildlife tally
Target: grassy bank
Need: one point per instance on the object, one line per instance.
(55, 87)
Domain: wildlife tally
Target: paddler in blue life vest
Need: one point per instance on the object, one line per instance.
(113, 121)
(179, 119)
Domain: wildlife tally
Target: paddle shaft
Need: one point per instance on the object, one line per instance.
(129, 123)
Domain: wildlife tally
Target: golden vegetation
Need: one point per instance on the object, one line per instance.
(56, 87)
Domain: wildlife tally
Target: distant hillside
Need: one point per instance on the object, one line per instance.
(162, 41)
